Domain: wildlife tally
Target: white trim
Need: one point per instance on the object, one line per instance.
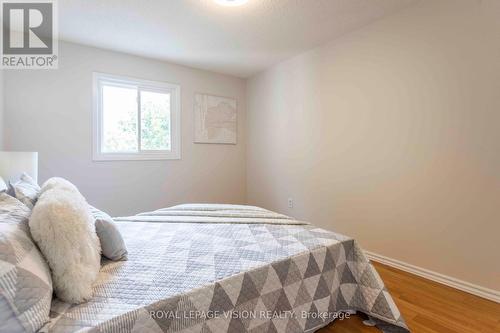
(140, 84)
(490, 294)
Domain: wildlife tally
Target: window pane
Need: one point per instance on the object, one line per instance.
(155, 121)
(119, 105)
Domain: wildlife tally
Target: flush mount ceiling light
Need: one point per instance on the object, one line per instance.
(231, 2)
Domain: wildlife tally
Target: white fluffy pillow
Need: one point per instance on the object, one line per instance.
(57, 182)
(63, 227)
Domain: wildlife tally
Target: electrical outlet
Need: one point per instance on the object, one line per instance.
(290, 203)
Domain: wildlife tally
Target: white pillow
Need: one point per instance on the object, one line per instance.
(63, 227)
(3, 185)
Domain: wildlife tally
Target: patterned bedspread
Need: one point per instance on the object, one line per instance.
(223, 268)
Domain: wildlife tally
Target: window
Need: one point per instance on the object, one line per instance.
(135, 119)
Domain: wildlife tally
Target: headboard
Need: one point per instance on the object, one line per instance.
(14, 163)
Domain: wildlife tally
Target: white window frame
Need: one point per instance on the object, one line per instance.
(97, 119)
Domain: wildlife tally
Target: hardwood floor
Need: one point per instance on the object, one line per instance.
(429, 307)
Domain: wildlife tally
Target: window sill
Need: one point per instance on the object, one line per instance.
(97, 157)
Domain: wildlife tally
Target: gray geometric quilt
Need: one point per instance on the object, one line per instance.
(199, 275)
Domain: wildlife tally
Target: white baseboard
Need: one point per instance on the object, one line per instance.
(493, 295)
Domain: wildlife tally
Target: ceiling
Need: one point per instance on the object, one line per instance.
(240, 41)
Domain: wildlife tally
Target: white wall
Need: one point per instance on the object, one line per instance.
(391, 134)
(1, 109)
(49, 111)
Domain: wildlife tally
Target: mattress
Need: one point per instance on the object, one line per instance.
(226, 268)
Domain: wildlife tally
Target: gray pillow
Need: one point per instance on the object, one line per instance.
(26, 190)
(112, 243)
(25, 281)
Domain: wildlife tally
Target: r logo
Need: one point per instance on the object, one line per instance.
(27, 28)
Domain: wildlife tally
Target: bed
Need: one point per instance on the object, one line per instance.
(229, 268)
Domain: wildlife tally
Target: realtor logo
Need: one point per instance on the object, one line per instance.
(29, 39)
